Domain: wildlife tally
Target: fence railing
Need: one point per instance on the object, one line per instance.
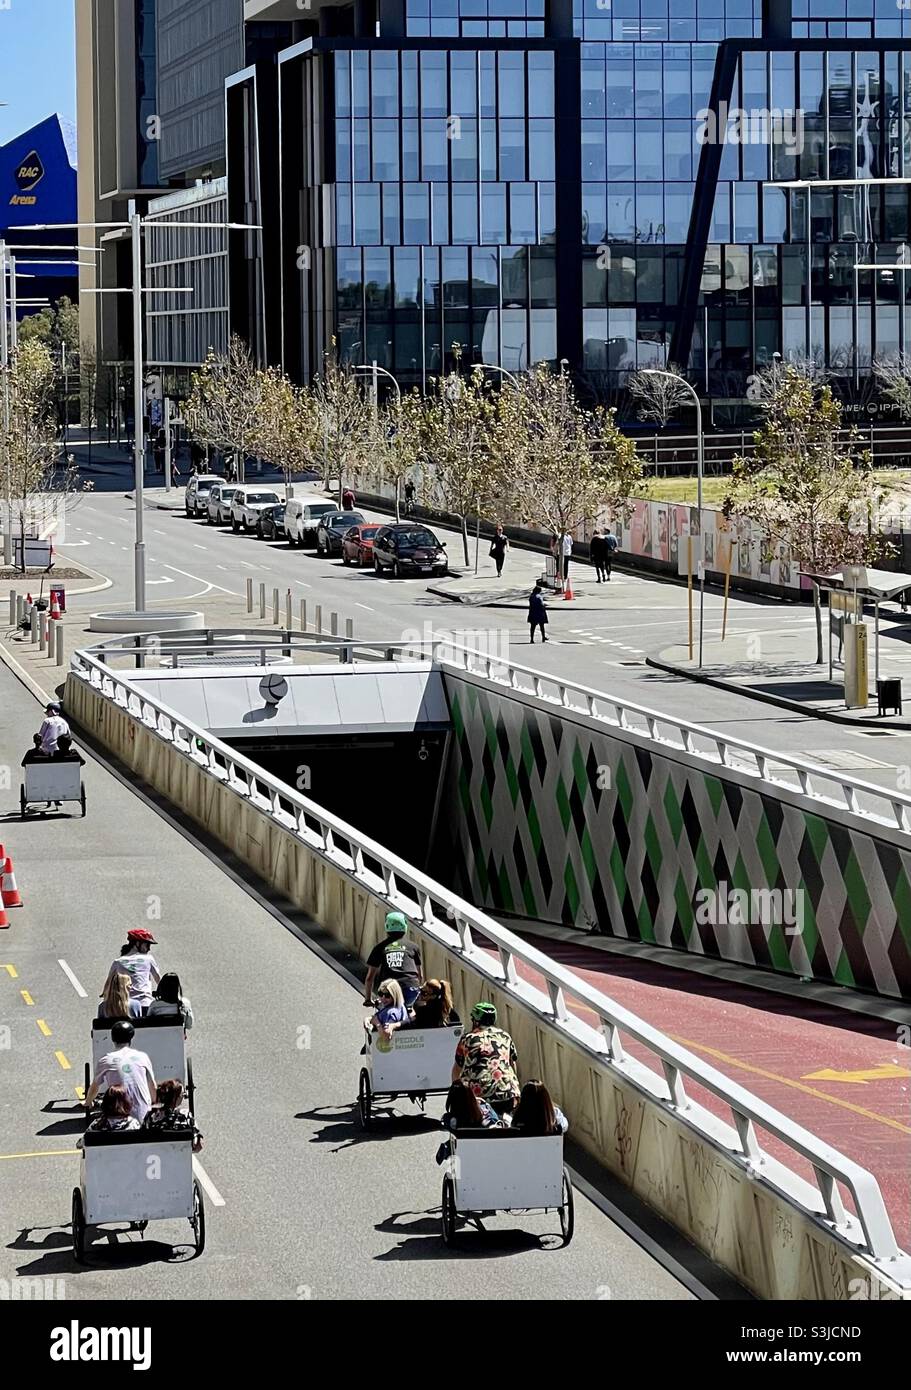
(675, 453)
(495, 954)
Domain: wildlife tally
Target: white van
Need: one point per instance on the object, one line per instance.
(302, 518)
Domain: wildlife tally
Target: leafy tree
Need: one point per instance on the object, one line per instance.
(224, 407)
(809, 484)
(344, 418)
(287, 425)
(456, 433)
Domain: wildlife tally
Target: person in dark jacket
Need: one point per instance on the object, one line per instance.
(537, 612)
(597, 549)
(498, 548)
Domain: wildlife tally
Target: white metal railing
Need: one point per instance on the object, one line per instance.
(470, 934)
(883, 806)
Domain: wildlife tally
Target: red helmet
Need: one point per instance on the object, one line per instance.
(140, 934)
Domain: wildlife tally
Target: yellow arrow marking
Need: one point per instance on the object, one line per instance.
(80, 1093)
(63, 1060)
(11, 971)
(43, 1026)
(859, 1078)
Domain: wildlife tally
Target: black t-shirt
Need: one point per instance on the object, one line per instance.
(396, 958)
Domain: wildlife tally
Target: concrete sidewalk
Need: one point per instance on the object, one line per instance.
(777, 667)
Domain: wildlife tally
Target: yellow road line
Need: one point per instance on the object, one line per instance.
(80, 1092)
(27, 997)
(43, 1026)
(42, 1153)
(11, 971)
(796, 1085)
(63, 1060)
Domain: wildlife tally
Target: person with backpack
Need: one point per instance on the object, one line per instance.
(612, 544)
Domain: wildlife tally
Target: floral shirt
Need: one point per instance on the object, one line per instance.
(488, 1060)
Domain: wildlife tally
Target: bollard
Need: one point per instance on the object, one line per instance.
(289, 611)
(58, 644)
(13, 599)
(34, 622)
(318, 626)
(42, 632)
(249, 594)
(349, 627)
(20, 609)
(275, 608)
(262, 600)
(333, 624)
(303, 615)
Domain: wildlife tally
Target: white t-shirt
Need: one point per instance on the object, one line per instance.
(139, 966)
(51, 729)
(567, 543)
(127, 1067)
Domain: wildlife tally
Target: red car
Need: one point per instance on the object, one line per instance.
(357, 545)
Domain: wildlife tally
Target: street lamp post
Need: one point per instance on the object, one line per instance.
(375, 369)
(657, 371)
(4, 366)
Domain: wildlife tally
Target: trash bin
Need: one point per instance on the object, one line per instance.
(60, 591)
(889, 695)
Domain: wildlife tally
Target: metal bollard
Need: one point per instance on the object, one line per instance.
(249, 594)
(275, 608)
(42, 632)
(34, 622)
(289, 611)
(319, 618)
(20, 609)
(58, 643)
(13, 598)
(303, 615)
(333, 623)
(349, 627)
(262, 600)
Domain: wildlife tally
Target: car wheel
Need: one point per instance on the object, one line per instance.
(377, 569)
(189, 511)
(235, 525)
(361, 560)
(396, 570)
(345, 558)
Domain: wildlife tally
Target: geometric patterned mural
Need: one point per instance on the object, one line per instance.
(545, 817)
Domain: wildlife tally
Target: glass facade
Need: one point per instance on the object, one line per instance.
(527, 197)
(146, 87)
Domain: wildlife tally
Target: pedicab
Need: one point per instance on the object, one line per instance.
(136, 1176)
(50, 780)
(490, 1171)
(163, 1040)
(414, 1062)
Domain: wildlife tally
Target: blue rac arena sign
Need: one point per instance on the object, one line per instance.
(38, 175)
(28, 176)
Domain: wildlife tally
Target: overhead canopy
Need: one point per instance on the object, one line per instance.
(875, 585)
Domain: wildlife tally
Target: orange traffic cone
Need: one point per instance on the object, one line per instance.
(29, 600)
(4, 920)
(567, 588)
(8, 889)
(55, 605)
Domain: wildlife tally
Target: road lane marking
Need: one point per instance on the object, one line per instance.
(42, 1153)
(63, 1060)
(364, 605)
(80, 1092)
(246, 564)
(302, 584)
(11, 971)
(43, 1026)
(27, 997)
(187, 575)
(221, 567)
(72, 979)
(199, 547)
(159, 533)
(207, 1184)
(887, 1072)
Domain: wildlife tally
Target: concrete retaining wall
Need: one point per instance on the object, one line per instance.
(774, 1246)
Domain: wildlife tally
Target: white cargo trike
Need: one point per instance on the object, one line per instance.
(162, 1040)
(499, 1170)
(414, 1062)
(50, 780)
(136, 1176)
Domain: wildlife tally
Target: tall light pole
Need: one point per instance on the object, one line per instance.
(374, 369)
(657, 371)
(4, 366)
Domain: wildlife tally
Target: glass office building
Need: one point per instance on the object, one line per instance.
(595, 181)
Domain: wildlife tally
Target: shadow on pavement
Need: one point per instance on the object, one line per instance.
(423, 1239)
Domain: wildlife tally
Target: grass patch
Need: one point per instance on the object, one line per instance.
(714, 490)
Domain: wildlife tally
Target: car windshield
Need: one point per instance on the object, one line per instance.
(263, 497)
(227, 492)
(319, 508)
(368, 532)
(344, 519)
(410, 539)
(204, 487)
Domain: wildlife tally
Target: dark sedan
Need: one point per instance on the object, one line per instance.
(271, 523)
(332, 528)
(408, 549)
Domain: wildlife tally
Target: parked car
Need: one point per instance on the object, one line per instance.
(331, 529)
(246, 505)
(408, 549)
(302, 519)
(357, 545)
(218, 512)
(271, 523)
(196, 493)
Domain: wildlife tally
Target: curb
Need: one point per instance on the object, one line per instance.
(782, 701)
(91, 588)
(22, 675)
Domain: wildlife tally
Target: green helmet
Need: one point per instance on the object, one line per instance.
(484, 1013)
(396, 924)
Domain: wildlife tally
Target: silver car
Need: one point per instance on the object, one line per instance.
(219, 508)
(196, 494)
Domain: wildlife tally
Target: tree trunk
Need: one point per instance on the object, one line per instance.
(465, 540)
(398, 516)
(818, 614)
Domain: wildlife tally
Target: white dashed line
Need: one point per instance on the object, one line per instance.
(199, 547)
(72, 979)
(364, 605)
(208, 1185)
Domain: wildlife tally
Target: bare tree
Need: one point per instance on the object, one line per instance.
(224, 407)
(894, 377)
(659, 396)
(457, 424)
(345, 419)
(287, 425)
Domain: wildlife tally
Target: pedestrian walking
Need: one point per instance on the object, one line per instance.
(566, 549)
(612, 544)
(597, 549)
(348, 500)
(409, 498)
(537, 612)
(498, 548)
(175, 474)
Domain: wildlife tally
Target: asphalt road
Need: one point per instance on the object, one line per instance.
(300, 1204)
